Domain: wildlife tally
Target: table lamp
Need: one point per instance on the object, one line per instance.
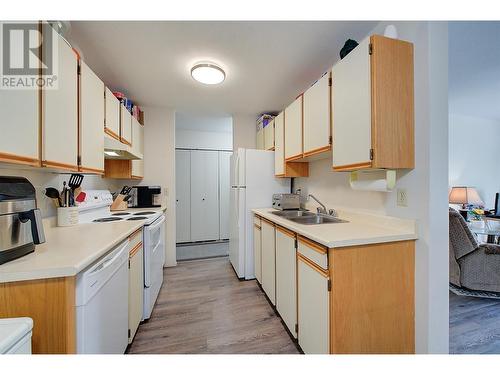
(464, 195)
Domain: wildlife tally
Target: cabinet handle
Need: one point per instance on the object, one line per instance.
(202, 199)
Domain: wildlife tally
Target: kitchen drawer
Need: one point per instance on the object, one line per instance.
(313, 251)
(135, 239)
(256, 220)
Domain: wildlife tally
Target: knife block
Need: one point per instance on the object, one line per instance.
(119, 204)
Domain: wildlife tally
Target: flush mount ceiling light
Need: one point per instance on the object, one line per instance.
(208, 73)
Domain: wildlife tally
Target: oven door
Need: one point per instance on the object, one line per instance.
(154, 250)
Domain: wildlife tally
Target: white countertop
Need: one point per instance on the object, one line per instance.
(12, 330)
(362, 229)
(69, 250)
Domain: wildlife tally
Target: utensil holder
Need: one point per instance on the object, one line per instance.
(67, 216)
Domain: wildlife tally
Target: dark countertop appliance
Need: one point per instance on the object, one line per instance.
(145, 196)
(21, 225)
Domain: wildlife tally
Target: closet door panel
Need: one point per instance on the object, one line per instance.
(183, 195)
(204, 195)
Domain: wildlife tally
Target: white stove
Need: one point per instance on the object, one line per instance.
(96, 209)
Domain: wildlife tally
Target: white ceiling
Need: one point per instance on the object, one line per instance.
(267, 64)
(474, 69)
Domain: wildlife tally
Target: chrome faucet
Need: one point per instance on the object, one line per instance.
(322, 209)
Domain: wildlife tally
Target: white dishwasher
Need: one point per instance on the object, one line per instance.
(102, 305)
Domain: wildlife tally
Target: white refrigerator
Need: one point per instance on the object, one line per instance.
(252, 186)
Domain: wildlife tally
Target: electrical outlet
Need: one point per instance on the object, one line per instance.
(402, 198)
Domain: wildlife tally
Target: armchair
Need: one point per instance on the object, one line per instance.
(472, 266)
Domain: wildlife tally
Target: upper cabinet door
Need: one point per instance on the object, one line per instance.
(293, 130)
(373, 110)
(351, 102)
(269, 136)
(60, 112)
(20, 124)
(137, 137)
(260, 139)
(91, 121)
(317, 116)
(279, 152)
(125, 126)
(112, 121)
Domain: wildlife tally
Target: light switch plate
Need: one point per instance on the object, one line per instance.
(402, 197)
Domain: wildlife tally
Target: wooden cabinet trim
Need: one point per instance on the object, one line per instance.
(257, 226)
(111, 133)
(135, 234)
(57, 165)
(313, 245)
(267, 221)
(350, 167)
(313, 265)
(125, 142)
(294, 157)
(90, 170)
(135, 249)
(285, 231)
(317, 151)
(17, 159)
(137, 177)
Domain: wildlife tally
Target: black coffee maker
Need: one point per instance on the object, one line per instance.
(145, 196)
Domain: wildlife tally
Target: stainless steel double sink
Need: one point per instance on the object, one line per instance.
(307, 217)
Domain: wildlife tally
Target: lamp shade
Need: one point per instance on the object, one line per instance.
(464, 195)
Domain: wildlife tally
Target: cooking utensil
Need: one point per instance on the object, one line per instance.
(75, 180)
(53, 194)
(126, 198)
(125, 190)
(80, 197)
(64, 195)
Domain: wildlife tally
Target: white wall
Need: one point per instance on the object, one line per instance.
(159, 166)
(42, 178)
(244, 131)
(207, 140)
(426, 184)
(473, 155)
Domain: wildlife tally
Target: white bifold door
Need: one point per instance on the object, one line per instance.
(204, 196)
(224, 193)
(183, 195)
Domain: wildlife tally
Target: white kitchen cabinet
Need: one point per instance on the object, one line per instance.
(204, 195)
(183, 195)
(293, 130)
(279, 145)
(313, 307)
(268, 259)
(269, 136)
(257, 249)
(260, 139)
(224, 191)
(372, 105)
(91, 121)
(60, 112)
(112, 120)
(125, 126)
(317, 117)
(138, 149)
(286, 283)
(135, 284)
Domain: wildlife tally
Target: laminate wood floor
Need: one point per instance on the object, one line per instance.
(474, 325)
(204, 308)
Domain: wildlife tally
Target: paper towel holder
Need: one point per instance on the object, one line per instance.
(383, 180)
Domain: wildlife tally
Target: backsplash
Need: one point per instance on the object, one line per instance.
(42, 179)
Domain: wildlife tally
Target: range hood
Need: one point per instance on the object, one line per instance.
(114, 149)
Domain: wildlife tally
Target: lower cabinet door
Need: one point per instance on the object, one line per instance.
(257, 254)
(268, 260)
(313, 307)
(286, 286)
(135, 292)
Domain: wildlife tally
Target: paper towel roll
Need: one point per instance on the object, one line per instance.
(373, 180)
